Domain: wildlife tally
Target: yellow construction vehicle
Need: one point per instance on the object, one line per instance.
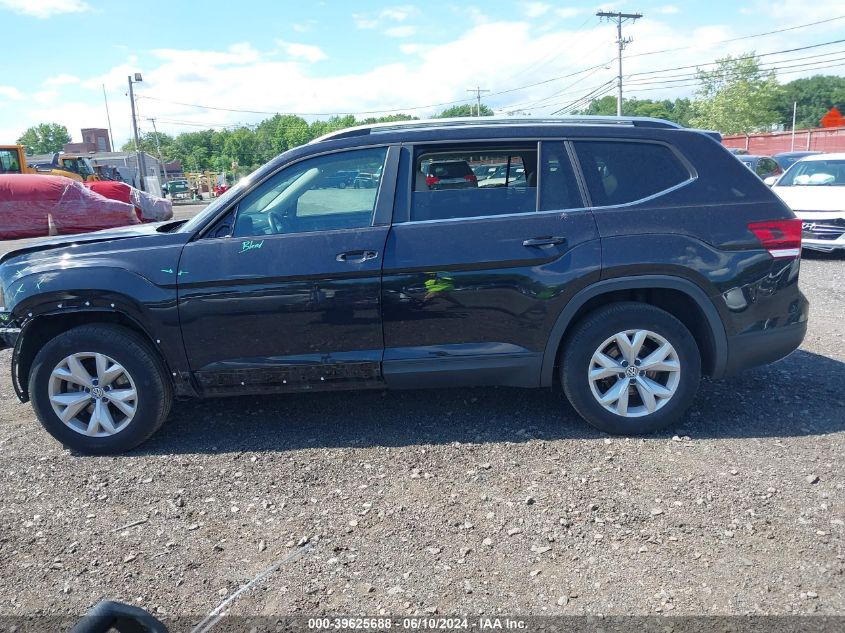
(13, 160)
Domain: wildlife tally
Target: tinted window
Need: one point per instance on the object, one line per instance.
(472, 182)
(9, 163)
(558, 188)
(620, 172)
(317, 194)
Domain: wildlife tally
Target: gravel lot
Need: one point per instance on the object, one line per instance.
(492, 501)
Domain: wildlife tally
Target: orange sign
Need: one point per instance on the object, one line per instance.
(833, 118)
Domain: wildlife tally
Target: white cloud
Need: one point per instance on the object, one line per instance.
(61, 80)
(669, 9)
(241, 77)
(307, 52)
(401, 31)
(568, 12)
(364, 22)
(45, 8)
(536, 9)
(399, 14)
(45, 97)
(10, 92)
(388, 14)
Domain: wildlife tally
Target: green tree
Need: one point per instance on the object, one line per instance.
(677, 110)
(148, 144)
(815, 96)
(467, 109)
(44, 138)
(737, 97)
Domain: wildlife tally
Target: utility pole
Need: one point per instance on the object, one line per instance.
(794, 117)
(477, 90)
(139, 155)
(158, 149)
(621, 42)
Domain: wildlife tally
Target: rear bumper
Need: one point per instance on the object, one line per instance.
(760, 348)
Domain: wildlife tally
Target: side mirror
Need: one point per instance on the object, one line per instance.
(771, 180)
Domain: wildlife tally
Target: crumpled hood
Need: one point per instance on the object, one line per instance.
(83, 242)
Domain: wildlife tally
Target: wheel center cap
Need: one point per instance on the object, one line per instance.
(97, 392)
(632, 371)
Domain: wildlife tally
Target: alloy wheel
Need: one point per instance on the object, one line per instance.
(92, 394)
(634, 373)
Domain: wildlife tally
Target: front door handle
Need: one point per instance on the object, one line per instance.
(544, 241)
(356, 257)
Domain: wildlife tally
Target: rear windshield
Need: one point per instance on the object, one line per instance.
(452, 169)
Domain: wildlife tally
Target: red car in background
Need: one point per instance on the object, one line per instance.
(148, 208)
(35, 205)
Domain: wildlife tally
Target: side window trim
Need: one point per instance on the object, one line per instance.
(579, 174)
(387, 188)
(693, 174)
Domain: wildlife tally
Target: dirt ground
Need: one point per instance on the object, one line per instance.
(475, 501)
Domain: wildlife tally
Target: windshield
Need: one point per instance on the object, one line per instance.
(815, 173)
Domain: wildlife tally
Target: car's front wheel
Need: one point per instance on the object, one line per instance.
(631, 368)
(99, 389)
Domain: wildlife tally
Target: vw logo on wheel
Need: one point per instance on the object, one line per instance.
(632, 371)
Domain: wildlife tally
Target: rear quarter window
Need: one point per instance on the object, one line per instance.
(621, 172)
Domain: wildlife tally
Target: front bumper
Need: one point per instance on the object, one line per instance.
(825, 246)
(826, 234)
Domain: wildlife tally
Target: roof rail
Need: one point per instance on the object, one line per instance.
(425, 124)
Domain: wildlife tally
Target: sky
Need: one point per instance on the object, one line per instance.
(242, 61)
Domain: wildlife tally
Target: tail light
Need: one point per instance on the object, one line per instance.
(431, 180)
(470, 178)
(782, 238)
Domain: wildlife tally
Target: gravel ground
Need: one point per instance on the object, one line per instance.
(492, 501)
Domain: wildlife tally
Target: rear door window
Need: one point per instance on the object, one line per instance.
(621, 172)
(473, 182)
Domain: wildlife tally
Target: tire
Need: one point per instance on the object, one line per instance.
(112, 348)
(587, 377)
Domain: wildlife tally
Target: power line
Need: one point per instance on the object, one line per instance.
(643, 78)
(695, 82)
(744, 37)
(747, 56)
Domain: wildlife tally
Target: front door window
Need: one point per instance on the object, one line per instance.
(336, 191)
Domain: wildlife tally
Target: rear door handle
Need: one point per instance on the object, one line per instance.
(356, 257)
(544, 241)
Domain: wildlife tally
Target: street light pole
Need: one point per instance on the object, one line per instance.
(139, 155)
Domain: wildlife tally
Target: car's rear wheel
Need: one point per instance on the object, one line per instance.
(630, 369)
(99, 389)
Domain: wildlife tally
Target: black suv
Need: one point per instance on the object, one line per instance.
(633, 257)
